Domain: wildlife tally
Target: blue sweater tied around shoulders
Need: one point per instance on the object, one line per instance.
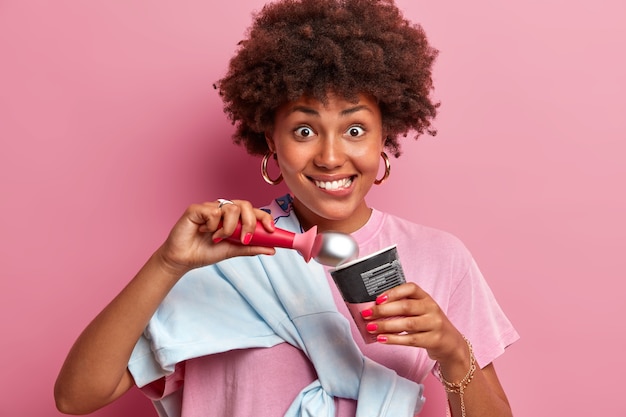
(262, 301)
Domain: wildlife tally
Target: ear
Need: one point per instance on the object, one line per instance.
(270, 141)
(384, 139)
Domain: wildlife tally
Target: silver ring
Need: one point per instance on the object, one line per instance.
(223, 202)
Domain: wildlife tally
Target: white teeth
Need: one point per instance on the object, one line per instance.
(334, 185)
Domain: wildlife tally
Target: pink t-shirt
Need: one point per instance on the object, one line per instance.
(264, 381)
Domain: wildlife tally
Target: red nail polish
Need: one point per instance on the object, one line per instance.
(381, 339)
(217, 239)
(247, 238)
(381, 299)
(371, 327)
(367, 313)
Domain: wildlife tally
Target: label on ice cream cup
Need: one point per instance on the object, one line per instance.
(362, 280)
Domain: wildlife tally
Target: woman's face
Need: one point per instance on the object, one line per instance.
(329, 157)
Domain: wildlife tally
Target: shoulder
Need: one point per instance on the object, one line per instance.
(434, 258)
(420, 237)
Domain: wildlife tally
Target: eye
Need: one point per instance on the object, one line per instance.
(355, 131)
(304, 132)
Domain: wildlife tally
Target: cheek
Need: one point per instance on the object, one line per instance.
(289, 164)
(374, 168)
(368, 160)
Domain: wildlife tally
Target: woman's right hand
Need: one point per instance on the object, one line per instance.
(198, 237)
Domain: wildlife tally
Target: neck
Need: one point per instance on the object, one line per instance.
(349, 224)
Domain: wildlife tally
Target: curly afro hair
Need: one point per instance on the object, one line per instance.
(309, 48)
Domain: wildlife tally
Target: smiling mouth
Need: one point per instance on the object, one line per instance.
(334, 185)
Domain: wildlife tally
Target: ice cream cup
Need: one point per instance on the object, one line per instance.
(362, 280)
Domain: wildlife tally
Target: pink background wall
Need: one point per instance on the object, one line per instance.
(109, 128)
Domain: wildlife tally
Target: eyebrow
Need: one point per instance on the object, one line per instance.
(343, 113)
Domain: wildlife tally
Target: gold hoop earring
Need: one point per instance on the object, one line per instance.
(264, 173)
(387, 169)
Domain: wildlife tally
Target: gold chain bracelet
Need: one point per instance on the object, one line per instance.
(459, 387)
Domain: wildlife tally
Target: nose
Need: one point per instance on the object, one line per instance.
(330, 153)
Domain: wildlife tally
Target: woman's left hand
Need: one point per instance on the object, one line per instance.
(407, 315)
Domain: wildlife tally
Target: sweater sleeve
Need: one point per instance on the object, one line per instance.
(162, 387)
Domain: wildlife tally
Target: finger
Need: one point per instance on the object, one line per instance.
(410, 331)
(205, 216)
(252, 250)
(230, 216)
(248, 220)
(413, 324)
(405, 339)
(266, 219)
(406, 307)
(406, 290)
(222, 201)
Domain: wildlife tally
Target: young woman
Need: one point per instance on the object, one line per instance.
(209, 327)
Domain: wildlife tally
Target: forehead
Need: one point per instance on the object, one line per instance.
(332, 104)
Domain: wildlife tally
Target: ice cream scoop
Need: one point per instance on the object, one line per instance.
(328, 248)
